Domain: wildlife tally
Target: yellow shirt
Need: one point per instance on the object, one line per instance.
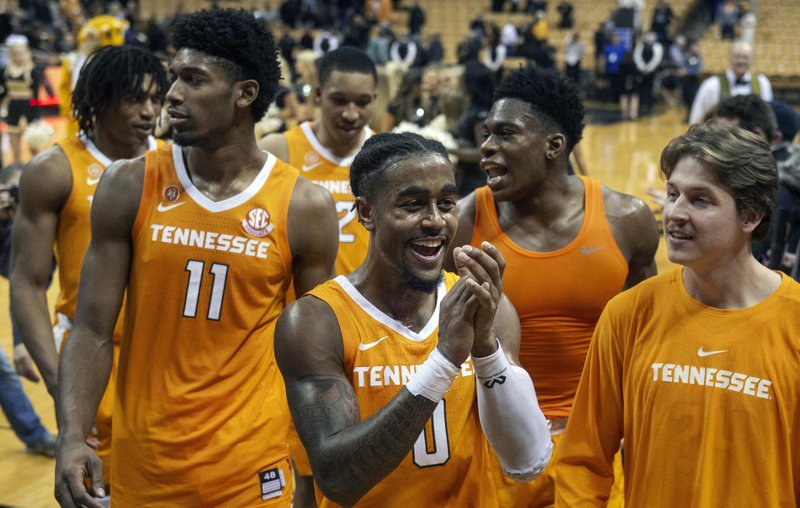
(708, 401)
(200, 414)
(448, 464)
(322, 167)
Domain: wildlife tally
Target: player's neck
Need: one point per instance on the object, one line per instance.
(735, 283)
(115, 150)
(339, 150)
(548, 201)
(386, 291)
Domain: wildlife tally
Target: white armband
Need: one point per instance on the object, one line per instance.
(510, 416)
(434, 377)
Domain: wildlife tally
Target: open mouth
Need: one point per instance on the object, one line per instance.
(678, 235)
(494, 173)
(428, 248)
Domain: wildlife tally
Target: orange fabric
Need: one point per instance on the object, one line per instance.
(86, 165)
(558, 295)
(448, 466)
(323, 168)
(707, 399)
(200, 415)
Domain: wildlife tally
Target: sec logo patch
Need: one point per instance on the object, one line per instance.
(256, 223)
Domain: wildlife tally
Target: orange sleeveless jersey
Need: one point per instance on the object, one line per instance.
(448, 464)
(200, 414)
(322, 167)
(558, 295)
(86, 164)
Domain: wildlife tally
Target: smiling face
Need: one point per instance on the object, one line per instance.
(412, 219)
(346, 100)
(130, 122)
(702, 227)
(202, 98)
(513, 151)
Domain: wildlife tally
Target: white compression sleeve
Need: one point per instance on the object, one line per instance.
(511, 417)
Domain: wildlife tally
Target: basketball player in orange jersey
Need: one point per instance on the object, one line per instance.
(206, 235)
(397, 373)
(570, 243)
(116, 101)
(697, 368)
(324, 150)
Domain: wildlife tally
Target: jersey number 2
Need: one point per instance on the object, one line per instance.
(437, 452)
(344, 220)
(219, 274)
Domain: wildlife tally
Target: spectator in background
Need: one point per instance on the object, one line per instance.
(690, 77)
(672, 68)
(727, 17)
(662, 18)
(417, 99)
(416, 18)
(567, 13)
(785, 227)
(479, 85)
(509, 37)
(736, 80)
(573, 54)
(15, 404)
(378, 46)
(647, 54)
(435, 49)
(613, 53)
(630, 83)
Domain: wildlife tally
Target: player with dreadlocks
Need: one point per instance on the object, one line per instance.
(116, 101)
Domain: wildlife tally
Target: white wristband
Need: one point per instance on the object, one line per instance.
(434, 377)
(493, 369)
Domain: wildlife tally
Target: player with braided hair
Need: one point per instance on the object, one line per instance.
(117, 101)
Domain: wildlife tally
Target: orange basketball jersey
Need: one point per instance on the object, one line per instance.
(86, 165)
(448, 464)
(322, 167)
(201, 417)
(558, 295)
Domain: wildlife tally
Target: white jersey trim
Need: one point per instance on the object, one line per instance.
(104, 159)
(226, 204)
(318, 147)
(390, 322)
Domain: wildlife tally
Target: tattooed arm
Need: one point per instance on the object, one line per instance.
(349, 456)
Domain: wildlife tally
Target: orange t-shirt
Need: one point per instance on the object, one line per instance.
(558, 295)
(322, 167)
(448, 465)
(200, 415)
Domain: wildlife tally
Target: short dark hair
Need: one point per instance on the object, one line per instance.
(111, 74)
(244, 47)
(751, 111)
(381, 152)
(552, 97)
(742, 161)
(345, 59)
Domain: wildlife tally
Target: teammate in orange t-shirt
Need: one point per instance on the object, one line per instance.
(370, 358)
(570, 244)
(697, 369)
(117, 100)
(206, 236)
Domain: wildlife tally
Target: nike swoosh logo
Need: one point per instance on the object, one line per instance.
(364, 346)
(163, 208)
(585, 250)
(703, 354)
(92, 181)
(309, 167)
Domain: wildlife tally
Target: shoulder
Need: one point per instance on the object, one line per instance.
(307, 335)
(632, 223)
(47, 177)
(276, 144)
(308, 196)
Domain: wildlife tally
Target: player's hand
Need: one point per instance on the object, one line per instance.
(75, 464)
(23, 363)
(456, 322)
(485, 268)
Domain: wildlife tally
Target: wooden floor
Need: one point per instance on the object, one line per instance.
(624, 156)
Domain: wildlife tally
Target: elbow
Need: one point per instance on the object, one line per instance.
(334, 489)
(533, 470)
